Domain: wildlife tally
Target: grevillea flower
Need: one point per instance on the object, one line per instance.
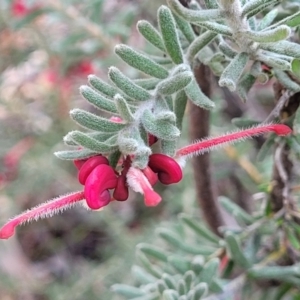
(139, 183)
(19, 8)
(98, 177)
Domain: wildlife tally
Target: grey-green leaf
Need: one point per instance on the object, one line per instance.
(169, 34)
(141, 62)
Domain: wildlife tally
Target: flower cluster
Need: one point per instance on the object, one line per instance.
(98, 177)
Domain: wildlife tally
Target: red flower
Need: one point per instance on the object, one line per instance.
(19, 8)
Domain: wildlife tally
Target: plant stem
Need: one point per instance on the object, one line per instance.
(199, 128)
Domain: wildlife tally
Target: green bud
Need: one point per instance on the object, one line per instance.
(97, 99)
(194, 16)
(93, 122)
(151, 34)
(169, 34)
(195, 94)
(141, 62)
(197, 264)
(174, 83)
(233, 71)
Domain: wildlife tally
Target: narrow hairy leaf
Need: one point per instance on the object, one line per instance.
(169, 34)
(254, 5)
(174, 83)
(97, 99)
(267, 19)
(74, 154)
(227, 50)
(159, 128)
(189, 277)
(195, 94)
(92, 144)
(93, 122)
(181, 287)
(150, 33)
(170, 295)
(244, 86)
(168, 147)
(200, 290)
(235, 210)
(216, 27)
(273, 61)
(235, 251)
(274, 272)
(233, 71)
(147, 83)
(169, 281)
(123, 109)
(262, 7)
(102, 86)
(283, 47)
(141, 62)
(266, 147)
(153, 251)
(127, 290)
(141, 275)
(291, 21)
(286, 81)
(194, 16)
(296, 67)
(209, 271)
(179, 107)
(185, 27)
(152, 269)
(269, 36)
(126, 85)
(179, 263)
(211, 4)
(199, 43)
(199, 229)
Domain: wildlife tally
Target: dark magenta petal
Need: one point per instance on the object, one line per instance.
(167, 168)
(89, 166)
(79, 163)
(121, 191)
(101, 179)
